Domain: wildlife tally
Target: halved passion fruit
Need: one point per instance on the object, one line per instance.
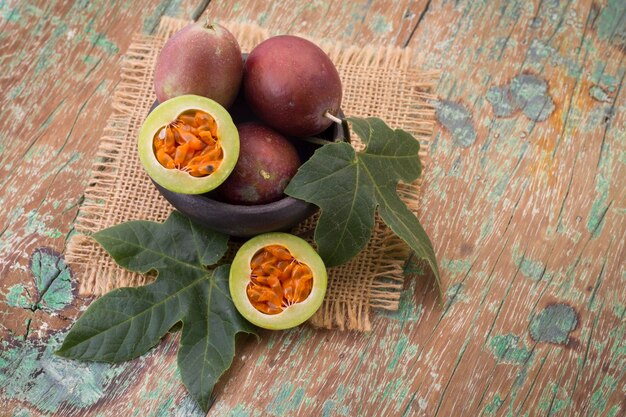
(189, 144)
(277, 281)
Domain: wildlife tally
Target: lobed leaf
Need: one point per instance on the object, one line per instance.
(349, 186)
(127, 322)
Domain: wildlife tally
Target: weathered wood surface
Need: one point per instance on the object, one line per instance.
(525, 201)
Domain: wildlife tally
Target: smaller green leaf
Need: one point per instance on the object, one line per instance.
(348, 186)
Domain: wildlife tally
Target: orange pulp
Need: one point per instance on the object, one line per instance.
(189, 143)
(277, 280)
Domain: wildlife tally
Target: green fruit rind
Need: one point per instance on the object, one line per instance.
(293, 315)
(176, 180)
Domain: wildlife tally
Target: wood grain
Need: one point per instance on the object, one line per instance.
(525, 203)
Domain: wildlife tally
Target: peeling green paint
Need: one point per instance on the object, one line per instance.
(598, 94)
(408, 310)
(539, 53)
(498, 190)
(100, 40)
(53, 280)
(529, 267)
(401, 345)
(603, 183)
(380, 25)
(32, 374)
(538, 50)
(458, 120)
(151, 22)
(90, 59)
(549, 402)
(508, 349)
(557, 406)
(35, 225)
(286, 401)
(532, 269)
(16, 91)
(612, 19)
(601, 395)
(239, 411)
(336, 406)
(413, 267)
(501, 101)
(501, 174)
(237, 7)
(21, 412)
(455, 266)
(531, 96)
(10, 15)
(613, 412)
(5, 240)
(554, 324)
(599, 77)
(455, 169)
(38, 152)
(500, 44)
(187, 407)
(526, 92)
(492, 408)
(47, 58)
(487, 226)
(18, 296)
(454, 294)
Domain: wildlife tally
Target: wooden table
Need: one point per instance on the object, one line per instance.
(525, 201)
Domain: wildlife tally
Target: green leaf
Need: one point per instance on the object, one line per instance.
(127, 322)
(348, 186)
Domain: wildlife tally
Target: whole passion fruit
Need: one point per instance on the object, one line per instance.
(277, 281)
(188, 144)
(202, 59)
(267, 162)
(290, 83)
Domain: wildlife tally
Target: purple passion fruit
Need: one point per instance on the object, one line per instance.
(290, 83)
(188, 144)
(201, 59)
(267, 162)
(277, 281)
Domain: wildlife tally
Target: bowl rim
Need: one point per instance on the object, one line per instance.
(249, 208)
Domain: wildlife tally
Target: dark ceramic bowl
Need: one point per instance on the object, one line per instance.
(246, 221)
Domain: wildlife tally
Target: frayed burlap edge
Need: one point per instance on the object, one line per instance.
(378, 81)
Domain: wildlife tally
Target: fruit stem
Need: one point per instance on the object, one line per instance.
(208, 24)
(333, 117)
(341, 122)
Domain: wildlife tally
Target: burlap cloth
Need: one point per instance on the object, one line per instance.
(377, 81)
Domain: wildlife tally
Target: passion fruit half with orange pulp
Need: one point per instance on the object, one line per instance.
(189, 144)
(277, 281)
